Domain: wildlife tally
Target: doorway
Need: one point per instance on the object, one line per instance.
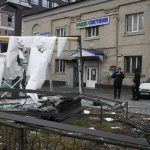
(91, 77)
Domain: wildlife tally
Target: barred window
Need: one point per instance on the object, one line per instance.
(59, 65)
(135, 22)
(60, 32)
(132, 62)
(92, 31)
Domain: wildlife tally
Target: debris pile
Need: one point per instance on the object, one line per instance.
(45, 104)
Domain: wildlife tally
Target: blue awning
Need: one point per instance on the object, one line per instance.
(88, 52)
(93, 51)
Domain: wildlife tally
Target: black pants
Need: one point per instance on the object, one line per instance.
(135, 91)
(117, 91)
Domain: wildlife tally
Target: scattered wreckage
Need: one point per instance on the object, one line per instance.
(31, 69)
(26, 63)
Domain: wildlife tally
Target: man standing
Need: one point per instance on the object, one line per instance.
(136, 84)
(118, 77)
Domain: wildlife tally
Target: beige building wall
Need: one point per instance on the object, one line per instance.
(135, 44)
(112, 40)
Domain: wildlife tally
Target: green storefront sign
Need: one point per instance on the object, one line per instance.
(92, 22)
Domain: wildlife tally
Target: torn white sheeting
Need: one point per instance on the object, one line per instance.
(2, 66)
(26, 41)
(34, 97)
(21, 56)
(12, 69)
(12, 51)
(16, 42)
(61, 44)
(40, 56)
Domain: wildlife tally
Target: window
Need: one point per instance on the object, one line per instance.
(135, 22)
(92, 31)
(35, 2)
(132, 62)
(60, 32)
(36, 30)
(45, 3)
(8, 21)
(59, 65)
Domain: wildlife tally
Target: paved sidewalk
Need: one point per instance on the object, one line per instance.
(142, 106)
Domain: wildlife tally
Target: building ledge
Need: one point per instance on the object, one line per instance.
(92, 38)
(134, 33)
(59, 73)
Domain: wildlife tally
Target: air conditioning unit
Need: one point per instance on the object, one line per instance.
(19, 3)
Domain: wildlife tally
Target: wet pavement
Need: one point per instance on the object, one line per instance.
(142, 106)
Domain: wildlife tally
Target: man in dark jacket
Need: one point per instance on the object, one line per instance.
(136, 84)
(118, 77)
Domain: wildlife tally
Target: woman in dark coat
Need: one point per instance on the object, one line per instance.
(118, 78)
(136, 84)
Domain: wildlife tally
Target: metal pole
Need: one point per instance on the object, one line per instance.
(126, 109)
(50, 78)
(80, 66)
(18, 22)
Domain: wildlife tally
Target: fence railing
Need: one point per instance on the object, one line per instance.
(29, 133)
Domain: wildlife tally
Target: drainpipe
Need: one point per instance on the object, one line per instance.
(117, 37)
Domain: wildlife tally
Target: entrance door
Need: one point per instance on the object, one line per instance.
(91, 77)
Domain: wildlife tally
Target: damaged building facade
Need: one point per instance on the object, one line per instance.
(113, 33)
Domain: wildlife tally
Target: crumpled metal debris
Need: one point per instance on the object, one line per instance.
(45, 104)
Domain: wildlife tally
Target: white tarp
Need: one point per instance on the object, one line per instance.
(40, 55)
(2, 66)
(12, 51)
(12, 69)
(61, 44)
